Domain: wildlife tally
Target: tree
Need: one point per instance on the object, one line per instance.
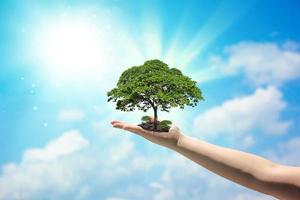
(154, 85)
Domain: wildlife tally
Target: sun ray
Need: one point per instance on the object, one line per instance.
(173, 52)
(222, 19)
(152, 34)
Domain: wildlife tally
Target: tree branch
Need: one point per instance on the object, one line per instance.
(149, 101)
(152, 103)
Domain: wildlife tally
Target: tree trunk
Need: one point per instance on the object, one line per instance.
(155, 117)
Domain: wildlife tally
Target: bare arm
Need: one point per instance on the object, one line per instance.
(246, 169)
(254, 172)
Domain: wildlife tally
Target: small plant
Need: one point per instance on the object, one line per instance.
(165, 124)
(154, 85)
(146, 118)
(148, 124)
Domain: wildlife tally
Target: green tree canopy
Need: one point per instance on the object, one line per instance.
(154, 85)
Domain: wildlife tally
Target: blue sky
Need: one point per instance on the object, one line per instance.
(59, 58)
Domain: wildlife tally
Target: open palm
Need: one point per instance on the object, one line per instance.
(167, 139)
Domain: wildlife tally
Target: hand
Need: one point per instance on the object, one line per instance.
(167, 139)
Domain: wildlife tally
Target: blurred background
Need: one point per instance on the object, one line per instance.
(59, 58)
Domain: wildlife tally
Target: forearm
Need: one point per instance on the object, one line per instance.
(243, 168)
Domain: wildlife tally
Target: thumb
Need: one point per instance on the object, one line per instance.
(174, 129)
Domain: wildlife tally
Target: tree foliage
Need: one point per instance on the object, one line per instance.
(154, 85)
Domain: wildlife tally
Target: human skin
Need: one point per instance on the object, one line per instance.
(249, 170)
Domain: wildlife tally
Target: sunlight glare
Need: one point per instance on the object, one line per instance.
(72, 47)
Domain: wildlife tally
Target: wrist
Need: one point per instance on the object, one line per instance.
(180, 141)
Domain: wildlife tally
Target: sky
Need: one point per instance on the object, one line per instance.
(59, 58)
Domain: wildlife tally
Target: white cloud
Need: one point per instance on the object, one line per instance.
(241, 115)
(122, 150)
(291, 45)
(70, 115)
(43, 170)
(246, 142)
(66, 144)
(162, 192)
(286, 152)
(261, 63)
(264, 63)
(69, 167)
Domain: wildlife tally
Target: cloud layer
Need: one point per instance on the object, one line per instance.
(241, 115)
(70, 167)
(264, 63)
(70, 115)
(44, 171)
(286, 152)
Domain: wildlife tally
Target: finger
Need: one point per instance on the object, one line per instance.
(137, 130)
(118, 125)
(174, 129)
(129, 127)
(115, 121)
